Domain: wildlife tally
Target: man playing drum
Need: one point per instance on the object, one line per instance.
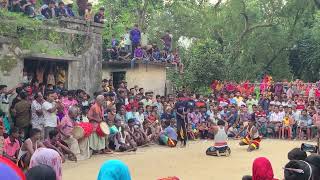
(66, 127)
(95, 116)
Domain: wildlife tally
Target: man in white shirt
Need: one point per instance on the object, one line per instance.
(50, 113)
(275, 121)
(37, 118)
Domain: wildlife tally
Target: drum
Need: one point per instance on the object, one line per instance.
(82, 130)
(103, 129)
(87, 127)
(78, 132)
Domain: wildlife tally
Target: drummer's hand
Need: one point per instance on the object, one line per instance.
(74, 157)
(63, 159)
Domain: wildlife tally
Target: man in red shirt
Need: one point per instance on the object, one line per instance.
(11, 145)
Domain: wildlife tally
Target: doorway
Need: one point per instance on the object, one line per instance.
(117, 77)
(47, 72)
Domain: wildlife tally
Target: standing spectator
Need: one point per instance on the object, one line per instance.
(88, 12)
(138, 55)
(50, 11)
(96, 116)
(61, 10)
(37, 118)
(167, 41)
(82, 5)
(127, 41)
(50, 113)
(4, 98)
(99, 16)
(22, 114)
(135, 37)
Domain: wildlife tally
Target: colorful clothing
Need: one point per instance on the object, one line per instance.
(9, 170)
(114, 170)
(262, 169)
(253, 141)
(48, 157)
(11, 148)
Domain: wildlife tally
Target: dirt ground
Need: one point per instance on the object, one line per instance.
(189, 163)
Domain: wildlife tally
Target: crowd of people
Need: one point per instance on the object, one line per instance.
(130, 48)
(51, 9)
(300, 167)
(69, 124)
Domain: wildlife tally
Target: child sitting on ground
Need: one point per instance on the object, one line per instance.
(191, 132)
(203, 130)
(220, 146)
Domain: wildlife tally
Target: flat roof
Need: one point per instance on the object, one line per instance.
(45, 57)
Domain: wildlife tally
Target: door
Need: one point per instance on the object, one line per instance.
(117, 77)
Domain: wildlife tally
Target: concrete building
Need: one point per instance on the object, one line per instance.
(73, 55)
(76, 60)
(151, 76)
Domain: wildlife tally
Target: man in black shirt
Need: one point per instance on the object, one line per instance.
(99, 16)
(182, 122)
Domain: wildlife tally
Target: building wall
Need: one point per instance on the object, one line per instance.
(150, 77)
(84, 69)
(10, 54)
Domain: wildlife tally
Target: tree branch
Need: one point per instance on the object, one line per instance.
(217, 4)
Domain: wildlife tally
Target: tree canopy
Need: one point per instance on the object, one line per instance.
(231, 39)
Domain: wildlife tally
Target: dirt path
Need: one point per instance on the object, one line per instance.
(189, 163)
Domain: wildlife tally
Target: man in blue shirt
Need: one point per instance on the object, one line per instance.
(135, 37)
(169, 136)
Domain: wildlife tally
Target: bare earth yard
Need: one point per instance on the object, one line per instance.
(189, 163)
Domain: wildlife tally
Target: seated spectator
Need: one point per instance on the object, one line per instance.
(27, 7)
(28, 148)
(99, 16)
(314, 160)
(261, 169)
(305, 124)
(55, 144)
(15, 6)
(12, 146)
(49, 13)
(298, 170)
(4, 4)
(115, 170)
(88, 13)
(69, 10)
(114, 52)
(297, 154)
(61, 10)
(156, 55)
(50, 157)
(169, 136)
(138, 55)
(41, 172)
